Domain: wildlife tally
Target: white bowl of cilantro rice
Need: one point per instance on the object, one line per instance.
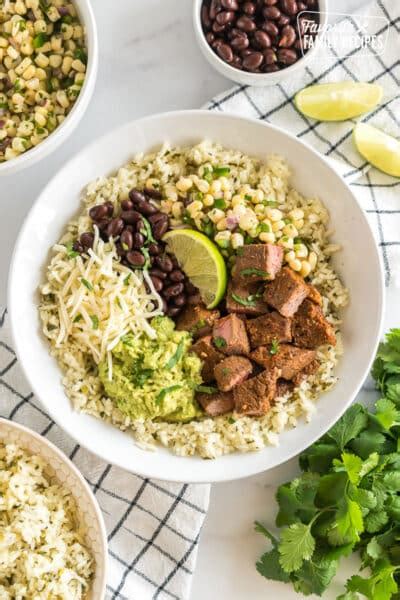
(54, 542)
(49, 58)
(75, 362)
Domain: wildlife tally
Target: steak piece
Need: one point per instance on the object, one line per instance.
(310, 328)
(252, 303)
(209, 355)
(269, 328)
(198, 320)
(231, 371)
(286, 292)
(284, 387)
(230, 336)
(216, 404)
(258, 262)
(310, 369)
(254, 396)
(314, 295)
(289, 359)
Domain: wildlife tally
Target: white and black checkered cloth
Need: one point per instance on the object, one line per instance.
(153, 527)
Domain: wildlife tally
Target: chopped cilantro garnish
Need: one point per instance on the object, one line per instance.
(274, 347)
(17, 85)
(254, 271)
(177, 356)
(249, 301)
(248, 197)
(127, 278)
(226, 371)
(219, 203)
(231, 420)
(87, 284)
(80, 54)
(146, 230)
(39, 40)
(168, 390)
(240, 251)
(207, 175)
(270, 203)
(77, 319)
(146, 254)
(220, 342)
(206, 389)
(264, 228)
(95, 321)
(221, 171)
(71, 253)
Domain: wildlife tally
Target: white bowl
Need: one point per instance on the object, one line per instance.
(244, 77)
(61, 469)
(358, 264)
(63, 131)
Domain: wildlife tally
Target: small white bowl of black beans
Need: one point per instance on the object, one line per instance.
(259, 42)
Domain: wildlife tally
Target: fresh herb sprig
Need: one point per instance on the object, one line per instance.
(346, 499)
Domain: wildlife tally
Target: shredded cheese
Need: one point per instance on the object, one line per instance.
(98, 299)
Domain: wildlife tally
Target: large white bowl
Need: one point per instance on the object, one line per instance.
(63, 131)
(358, 264)
(61, 469)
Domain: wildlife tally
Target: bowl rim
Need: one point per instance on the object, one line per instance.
(226, 476)
(247, 77)
(62, 131)
(85, 486)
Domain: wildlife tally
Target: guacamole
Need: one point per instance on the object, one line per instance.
(154, 378)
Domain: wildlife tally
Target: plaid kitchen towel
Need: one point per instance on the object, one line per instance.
(153, 527)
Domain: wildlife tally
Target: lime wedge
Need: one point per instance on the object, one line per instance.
(338, 101)
(201, 261)
(378, 148)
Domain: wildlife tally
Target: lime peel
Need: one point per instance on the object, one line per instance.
(378, 148)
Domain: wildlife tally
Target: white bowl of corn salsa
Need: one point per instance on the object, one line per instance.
(48, 68)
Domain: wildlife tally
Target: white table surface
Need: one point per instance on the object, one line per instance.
(149, 63)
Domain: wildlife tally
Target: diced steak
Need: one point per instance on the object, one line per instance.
(216, 404)
(209, 355)
(258, 262)
(314, 295)
(289, 359)
(310, 369)
(198, 320)
(230, 336)
(254, 396)
(231, 371)
(283, 387)
(268, 329)
(286, 292)
(251, 301)
(310, 328)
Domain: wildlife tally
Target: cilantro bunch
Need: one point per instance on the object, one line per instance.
(347, 499)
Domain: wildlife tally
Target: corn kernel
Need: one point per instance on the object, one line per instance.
(215, 187)
(268, 238)
(277, 226)
(194, 207)
(305, 268)
(259, 209)
(237, 240)
(203, 186)
(301, 250)
(42, 60)
(223, 239)
(40, 26)
(312, 259)
(40, 119)
(274, 214)
(216, 215)
(177, 209)
(12, 52)
(55, 61)
(299, 224)
(296, 214)
(290, 256)
(221, 225)
(290, 230)
(66, 64)
(184, 184)
(208, 200)
(29, 72)
(239, 210)
(78, 65)
(248, 221)
(295, 264)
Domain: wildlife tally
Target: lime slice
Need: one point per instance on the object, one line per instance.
(201, 261)
(338, 101)
(378, 148)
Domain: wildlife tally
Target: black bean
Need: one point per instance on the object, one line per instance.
(158, 284)
(205, 17)
(127, 205)
(262, 39)
(146, 208)
(180, 300)
(272, 12)
(126, 239)
(225, 17)
(240, 42)
(301, 6)
(283, 20)
(164, 305)
(176, 275)
(271, 28)
(115, 227)
(288, 38)
(253, 61)
(236, 61)
(159, 229)
(77, 247)
(154, 249)
(136, 196)
(210, 37)
(136, 259)
(174, 261)
(165, 263)
(173, 311)
(271, 68)
(86, 240)
(289, 7)
(287, 56)
(230, 4)
(249, 8)
(190, 288)
(137, 241)
(120, 250)
(270, 56)
(270, 2)
(98, 212)
(246, 24)
(153, 193)
(158, 273)
(130, 216)
(159, 216)
(110, 208)
(217, 28)
(225, 52)
(173, 290)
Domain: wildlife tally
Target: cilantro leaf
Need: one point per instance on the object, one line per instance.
(349, 523)
(173, 361)
(260, 528)
(380, 586)
(315, 575)
(269, 566)
(367, 442)
(387, 413)
(376, 520)
(318, 457)
(297, 545)
(349, 426)
(391, 481)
